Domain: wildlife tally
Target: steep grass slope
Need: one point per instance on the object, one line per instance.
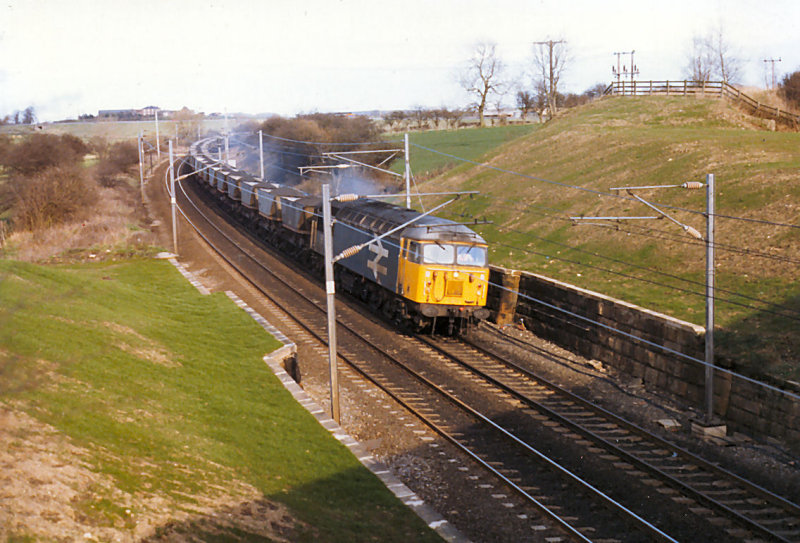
(567, 169)
(176, 428)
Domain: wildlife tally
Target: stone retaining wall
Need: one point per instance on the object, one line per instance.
(743, 405)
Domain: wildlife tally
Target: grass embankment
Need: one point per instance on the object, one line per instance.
(166, 393)
(651, 141)
(468, 143)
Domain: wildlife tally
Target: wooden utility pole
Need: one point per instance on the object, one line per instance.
(772, 61)
(553, 73)
(620, 71)
(634, 68)
(617, 72)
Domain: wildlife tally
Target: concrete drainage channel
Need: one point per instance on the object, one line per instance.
(283, 363)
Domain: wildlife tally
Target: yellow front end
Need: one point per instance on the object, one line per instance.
(441, 283)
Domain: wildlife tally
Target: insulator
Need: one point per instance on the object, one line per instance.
(694, 233)
(350, 251)
(693, 185)
(347, 197)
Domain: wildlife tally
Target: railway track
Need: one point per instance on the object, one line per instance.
(303, 304)
(706, 488)
(464, 416)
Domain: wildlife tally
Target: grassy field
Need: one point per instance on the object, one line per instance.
(166, 392)
(568, 167)
(469, 143)
(113, 130)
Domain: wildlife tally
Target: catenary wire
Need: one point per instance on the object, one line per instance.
(598, 192)
(644, 268)
(647, 342)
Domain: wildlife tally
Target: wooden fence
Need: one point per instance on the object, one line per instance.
(703, 88)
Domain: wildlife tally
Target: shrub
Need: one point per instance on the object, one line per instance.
(52, 196)
(74, 144)
(116, 159)
(41, 151)
(317, 129)
(790, 88)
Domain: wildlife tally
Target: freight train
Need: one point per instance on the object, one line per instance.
(432, 270)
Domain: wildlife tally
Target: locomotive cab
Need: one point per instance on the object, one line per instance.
(444, 279)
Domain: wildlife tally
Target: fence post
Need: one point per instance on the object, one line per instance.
(651, 88)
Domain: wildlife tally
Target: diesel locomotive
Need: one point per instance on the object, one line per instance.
(431, 270)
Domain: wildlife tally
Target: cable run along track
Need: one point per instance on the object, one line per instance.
(468, 418)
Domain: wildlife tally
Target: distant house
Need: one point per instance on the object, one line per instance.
(149, 111)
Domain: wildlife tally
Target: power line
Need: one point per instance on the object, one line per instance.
(598, 192)
(325, 142)
(658, 272)
(656, 283)
(631, 336)
(559, 215)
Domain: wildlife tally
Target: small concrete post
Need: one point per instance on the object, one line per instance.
(507, 307)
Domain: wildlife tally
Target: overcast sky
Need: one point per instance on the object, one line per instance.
(72, 57)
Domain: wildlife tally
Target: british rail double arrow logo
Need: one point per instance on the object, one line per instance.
(374, 264)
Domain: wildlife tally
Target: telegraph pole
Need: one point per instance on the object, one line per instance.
(617, 72)
(551, 83)
(772, 61)
(634, 68)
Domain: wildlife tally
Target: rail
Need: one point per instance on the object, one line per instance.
(719, 89)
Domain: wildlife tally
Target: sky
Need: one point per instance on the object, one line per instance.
(68, 58)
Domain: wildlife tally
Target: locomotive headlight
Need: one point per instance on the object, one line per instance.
(455, 274)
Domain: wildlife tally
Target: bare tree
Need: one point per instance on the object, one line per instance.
(482, 77)
(726, 66)
(454, 116)
(549, 60)
(712, 56)
(188, 122)
(701, 60)
(526, 101)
